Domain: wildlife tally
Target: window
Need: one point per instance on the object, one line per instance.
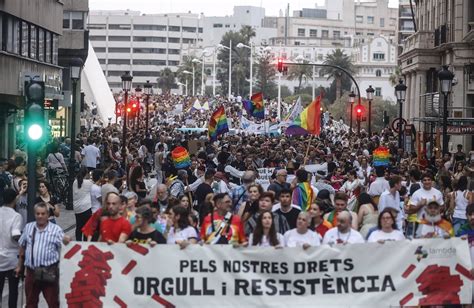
(173, 40)
(119, 38)
(378, 91)
(119, 50)
(189, 29)
(382, 22)
(325, 33)
(149, 62)
(173, 63)
(378, 73)
(146, 74)
(378, 56)
(96, 27)
(97, 38)
(150, 27)
(119, 61)
(359, 19)
(370, 34)
(359, 33)
(174, 28)
(156, 39)
(173, 51)
(77, 19)
(66, 20)
(102, 61)
(49, 44)
(117, 73)
(120, 27)
(200, 30)
(227, 26)
(149, 50)
(41, 44)
(313, 33)
(13, 35)
(297, 43)
(188, 41)
(55, 48)
(99, 49)
(217, 25)
(301, 32)
(33, 42)
(336, 34)
(370, 19)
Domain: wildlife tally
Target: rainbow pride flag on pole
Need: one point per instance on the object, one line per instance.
(308, 121)
(303, 195)
(217, 124)
(255, 106)
(381, 156)
(181, 159)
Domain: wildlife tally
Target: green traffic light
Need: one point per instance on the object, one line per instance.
(35, 132)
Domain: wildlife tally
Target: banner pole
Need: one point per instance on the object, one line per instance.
(307, 150)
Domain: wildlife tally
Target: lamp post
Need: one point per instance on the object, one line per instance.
(188, 73)
(240, 45)
(445, 77)
(148, 91)
(230, 66)
(400, 92)
(202, 73)
(76, 67)
(351, 100)
(182, 85)
(138, 95)
(126, 86)
(370, 96)
(192, 74)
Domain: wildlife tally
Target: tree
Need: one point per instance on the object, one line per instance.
(300, 73)
(395, 77)
(340, 59)
(166, 81)
(187, 65)
(266, 75)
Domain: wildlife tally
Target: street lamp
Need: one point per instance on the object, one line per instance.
(148, 91)
(230, 66)
(126, 86)
(183, 85)
(445, 77)
(202, 74)
(75, 67)
(351, 100)
(240, 45)
(400, 92)
(370, 96)
(188, 73)
(138, 95)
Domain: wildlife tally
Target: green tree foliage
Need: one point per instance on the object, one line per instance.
(300, 73)
(339, 58)
(266, 76)
(187, 65)
(166, 81)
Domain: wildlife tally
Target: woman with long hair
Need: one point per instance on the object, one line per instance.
(265, 234)
(459, 199)
(250, 207)
(81, 199)
(367, 216)
(44, 195)
(145, 233)
(352, 187)
(178, 229)
(386, 228)
(137, 183)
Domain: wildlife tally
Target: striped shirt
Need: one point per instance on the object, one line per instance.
(46, 247)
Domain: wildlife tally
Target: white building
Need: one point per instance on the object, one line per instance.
(142, 44)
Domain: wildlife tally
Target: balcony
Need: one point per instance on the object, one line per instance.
(419, 40)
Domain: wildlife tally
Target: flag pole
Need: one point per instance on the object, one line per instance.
(307, 149)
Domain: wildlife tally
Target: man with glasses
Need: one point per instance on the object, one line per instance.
(343, 233)
(425, 195)
(280, 183)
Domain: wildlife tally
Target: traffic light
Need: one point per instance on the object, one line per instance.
(359, 112)
(280, 65)
(134, 108)
(34, 116)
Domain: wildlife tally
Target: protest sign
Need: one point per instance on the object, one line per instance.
(405, 273)
(264, 176)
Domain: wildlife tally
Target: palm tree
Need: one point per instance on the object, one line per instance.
(166, 81)
(247, 33)
(187, 65)
(298, 72)
(340, 59)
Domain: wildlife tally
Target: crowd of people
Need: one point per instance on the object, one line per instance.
(321, 190)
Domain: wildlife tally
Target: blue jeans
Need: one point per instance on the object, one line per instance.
(457, 223)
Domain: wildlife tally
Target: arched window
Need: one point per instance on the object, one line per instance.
(378, 73)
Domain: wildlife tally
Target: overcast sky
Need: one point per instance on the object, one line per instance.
(208, 7)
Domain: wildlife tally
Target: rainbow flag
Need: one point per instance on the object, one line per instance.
(381, 156)
(180, 157)
(308, 121)
(255, 106)
(217, 124)
(303, 195)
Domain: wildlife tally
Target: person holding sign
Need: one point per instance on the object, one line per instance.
(265, 234)
(343, 233)
(302, 235)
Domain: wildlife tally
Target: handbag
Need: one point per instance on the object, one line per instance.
(48, 274)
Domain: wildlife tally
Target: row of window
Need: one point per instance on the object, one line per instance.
(145, 27)
(28, 40)
(137, 50)
(154, 39)
(370, 20)
(324, 33)
(74, 20)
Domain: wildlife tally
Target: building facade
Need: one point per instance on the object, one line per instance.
(29, 43)
(445, 36)
(142, 44)
(406, 27)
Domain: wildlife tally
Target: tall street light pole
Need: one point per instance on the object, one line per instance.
(214, 73)
(202, 73)
(148, 91)
(126, 86)
(351, 101)
(400, 92)
(445, 77)
(240, 45)
(188, 73)
(76, 67)
(370, 96)
(230, 66)
(138, 95)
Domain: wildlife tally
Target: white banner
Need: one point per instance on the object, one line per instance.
(406, 273)
(264, 177)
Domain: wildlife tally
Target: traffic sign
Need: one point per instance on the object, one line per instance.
(395, 123)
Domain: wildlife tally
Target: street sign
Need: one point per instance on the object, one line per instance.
(461, 130)
(395, 123)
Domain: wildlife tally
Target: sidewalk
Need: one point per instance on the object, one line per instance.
(67, 221)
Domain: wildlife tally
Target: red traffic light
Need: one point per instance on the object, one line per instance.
(118, 112)
(280, 65)
(129, 109)
(134, 105)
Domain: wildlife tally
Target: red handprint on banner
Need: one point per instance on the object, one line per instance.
(439, 286)
(88, 284)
